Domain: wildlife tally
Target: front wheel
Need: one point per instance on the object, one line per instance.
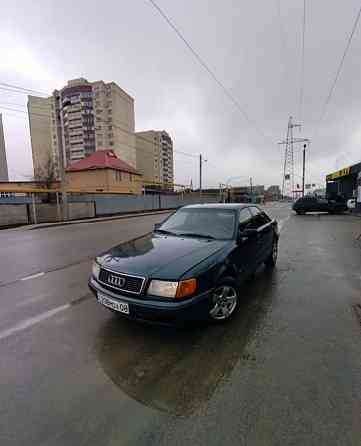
(224, 301)
(272, 258)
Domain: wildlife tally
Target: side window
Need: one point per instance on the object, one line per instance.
(254, 211)
(259, 218)
(245, 218)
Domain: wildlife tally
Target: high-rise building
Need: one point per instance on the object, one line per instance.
(78, 120)
(155, 157)
(3, 163)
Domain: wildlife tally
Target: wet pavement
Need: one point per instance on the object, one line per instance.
(285, 370)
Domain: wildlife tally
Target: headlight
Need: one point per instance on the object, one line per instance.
(180, 289)
(96, 270)
(162, 288)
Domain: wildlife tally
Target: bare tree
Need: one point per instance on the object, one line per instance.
(47, 175)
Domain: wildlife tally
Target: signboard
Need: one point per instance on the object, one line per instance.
(340, 173)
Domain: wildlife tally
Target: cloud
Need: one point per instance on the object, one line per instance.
(254, 48)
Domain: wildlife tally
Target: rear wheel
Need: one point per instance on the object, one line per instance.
(224, 301)
(272, 258)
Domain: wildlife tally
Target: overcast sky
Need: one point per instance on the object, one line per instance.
(254, 47)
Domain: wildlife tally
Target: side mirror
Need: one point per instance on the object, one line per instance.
(157, 226)
(248, 233)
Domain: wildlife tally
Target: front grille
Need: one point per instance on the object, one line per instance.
(121, 282)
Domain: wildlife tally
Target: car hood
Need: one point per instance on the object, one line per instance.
(160, 256)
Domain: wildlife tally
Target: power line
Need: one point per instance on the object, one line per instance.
(302, 74)
(103, 122)
(338, 72)
(207, 68)
(21, 89)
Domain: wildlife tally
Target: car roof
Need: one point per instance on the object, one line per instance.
(234, 206)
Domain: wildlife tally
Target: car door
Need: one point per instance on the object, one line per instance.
(263, 224)
(244, 255)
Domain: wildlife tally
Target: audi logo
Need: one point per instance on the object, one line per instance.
(116, 281)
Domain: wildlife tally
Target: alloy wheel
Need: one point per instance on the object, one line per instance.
(224, 302)
(274, 251)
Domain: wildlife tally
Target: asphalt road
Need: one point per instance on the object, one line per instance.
(286, 370)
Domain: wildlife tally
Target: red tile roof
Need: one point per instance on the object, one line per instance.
(101, 159)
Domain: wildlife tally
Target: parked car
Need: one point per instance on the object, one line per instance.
(351, 204)
(315, 204)
(190, 267)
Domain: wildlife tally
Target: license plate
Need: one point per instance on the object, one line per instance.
(122, 307)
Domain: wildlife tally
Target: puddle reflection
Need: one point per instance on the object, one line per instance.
(178, 370)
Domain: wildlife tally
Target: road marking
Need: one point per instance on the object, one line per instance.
(32, 276)
(282, 222)
(32, 321)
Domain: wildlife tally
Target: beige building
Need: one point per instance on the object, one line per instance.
(78, 120)
(3, 163)
(103, 171)
(155, 156)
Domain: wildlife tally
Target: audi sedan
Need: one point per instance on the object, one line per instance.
(190, 267)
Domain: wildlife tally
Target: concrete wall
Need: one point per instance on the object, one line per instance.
(95, 205)
(13, 214)
(48, 212)
(111, 204)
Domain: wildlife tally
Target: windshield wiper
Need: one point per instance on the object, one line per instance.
(164, 231)
(195, 234)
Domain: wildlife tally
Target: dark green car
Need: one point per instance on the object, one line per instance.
(190, 267)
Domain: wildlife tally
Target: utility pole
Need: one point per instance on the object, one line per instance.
(62, 165)
(288, 180)
(303, 169)
(251, 188)
(200, 176)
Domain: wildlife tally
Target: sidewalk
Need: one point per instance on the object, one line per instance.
(92, 220)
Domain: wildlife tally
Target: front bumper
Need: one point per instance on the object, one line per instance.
(196, 308)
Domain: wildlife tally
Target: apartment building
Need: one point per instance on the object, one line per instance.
(3, 163)
(81, 118)
(154, 151)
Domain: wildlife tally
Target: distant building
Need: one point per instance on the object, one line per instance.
(245, 194)
(78, 120)
(155, 157)
(346, 183)
(4, 176)
(103, 171)
(273, 193)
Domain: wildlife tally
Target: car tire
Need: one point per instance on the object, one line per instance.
(271, 260)
(224, 301)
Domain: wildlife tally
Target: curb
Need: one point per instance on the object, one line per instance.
(93, 220)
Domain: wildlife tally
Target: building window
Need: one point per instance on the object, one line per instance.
(118, 175)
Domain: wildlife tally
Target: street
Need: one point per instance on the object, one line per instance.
(286, 370)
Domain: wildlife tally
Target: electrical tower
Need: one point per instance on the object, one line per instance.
(288, 179)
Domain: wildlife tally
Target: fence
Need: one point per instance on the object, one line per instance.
(91, 205)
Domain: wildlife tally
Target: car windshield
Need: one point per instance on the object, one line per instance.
(212, 223)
